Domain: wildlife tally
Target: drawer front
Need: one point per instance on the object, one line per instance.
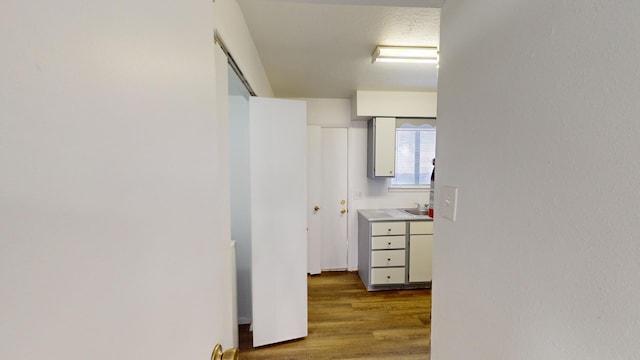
(387, 258)
(388, 242)
(387, 276)
(421, 227)
(388, 228)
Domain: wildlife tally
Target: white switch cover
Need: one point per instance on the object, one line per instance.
(449, 202)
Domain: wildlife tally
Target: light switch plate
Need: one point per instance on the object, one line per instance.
(449, 202)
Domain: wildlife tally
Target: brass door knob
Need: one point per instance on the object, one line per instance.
(231, 354)
(316, 208)
(342, 211)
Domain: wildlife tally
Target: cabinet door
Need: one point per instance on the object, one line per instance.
(420, 258)
(421, 227)
(382, 147)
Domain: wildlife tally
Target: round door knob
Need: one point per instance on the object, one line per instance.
(316, 208)
(388, 277)
(389, 242)
(342, 211)
(388, 259)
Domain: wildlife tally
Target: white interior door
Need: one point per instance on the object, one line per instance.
(314, 199)
(334, 198)
(278, 219)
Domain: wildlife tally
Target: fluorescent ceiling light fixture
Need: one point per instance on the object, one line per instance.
(407, 54)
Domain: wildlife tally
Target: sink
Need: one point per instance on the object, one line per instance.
(417, 211)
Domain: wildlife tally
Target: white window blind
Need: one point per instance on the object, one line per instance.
(415, 150)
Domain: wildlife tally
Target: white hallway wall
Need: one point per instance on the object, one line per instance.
(114, 240)
(232, 28)
(542, 261)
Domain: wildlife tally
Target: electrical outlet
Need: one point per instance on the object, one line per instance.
(449, 202)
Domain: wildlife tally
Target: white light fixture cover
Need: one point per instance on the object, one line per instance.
(409, 54)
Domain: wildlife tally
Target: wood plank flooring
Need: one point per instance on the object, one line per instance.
(347, 322)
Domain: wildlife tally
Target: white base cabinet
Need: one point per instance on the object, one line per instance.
(394, 254)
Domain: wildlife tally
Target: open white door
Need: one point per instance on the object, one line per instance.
(278, 153)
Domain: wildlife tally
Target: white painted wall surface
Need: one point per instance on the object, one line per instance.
(114, 239)
(328, 112)
(232, 27)
(538, 128)
(368, 104)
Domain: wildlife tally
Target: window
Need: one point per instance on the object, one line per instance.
(415, 151)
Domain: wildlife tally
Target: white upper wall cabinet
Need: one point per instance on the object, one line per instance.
(381, 147)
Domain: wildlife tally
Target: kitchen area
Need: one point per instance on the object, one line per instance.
(377, 231)
(395, 245)
(361, 218)
(367, 192)
(387, 233)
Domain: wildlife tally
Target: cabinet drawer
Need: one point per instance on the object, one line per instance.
(421, 227)
(387, 258)
(387, 276)
(388, 242)
(388, 228)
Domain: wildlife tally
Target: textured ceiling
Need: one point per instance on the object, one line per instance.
(316, 49)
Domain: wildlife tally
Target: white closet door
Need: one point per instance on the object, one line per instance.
(314, 199)
(334, 198)
(278, 153)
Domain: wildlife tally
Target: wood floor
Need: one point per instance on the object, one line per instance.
(348, 322)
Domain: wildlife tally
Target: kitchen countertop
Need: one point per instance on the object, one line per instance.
(390, 215)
